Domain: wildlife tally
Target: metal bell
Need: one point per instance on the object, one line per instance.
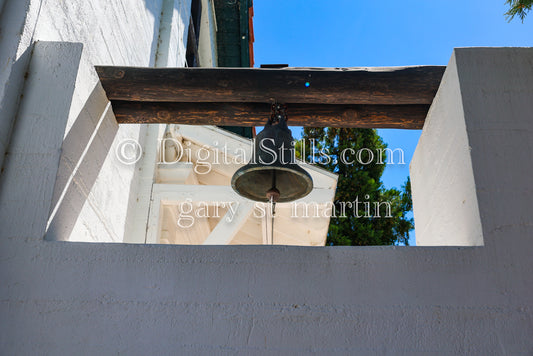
(272, 175)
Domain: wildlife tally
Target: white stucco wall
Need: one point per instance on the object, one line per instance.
(79, 298)
(497, 99)
(95, 193)
(471, 171)
(445, 203)
(17, 25)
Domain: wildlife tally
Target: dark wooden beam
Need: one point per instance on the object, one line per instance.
(256, 114)
(353, 86)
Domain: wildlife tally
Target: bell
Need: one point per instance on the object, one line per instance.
(272, 174)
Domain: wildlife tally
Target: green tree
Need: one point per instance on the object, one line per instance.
(360, 181)
(518, 8)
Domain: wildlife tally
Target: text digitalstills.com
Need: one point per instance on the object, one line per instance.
(129, 152)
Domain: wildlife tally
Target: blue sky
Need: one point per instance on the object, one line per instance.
(350, 33)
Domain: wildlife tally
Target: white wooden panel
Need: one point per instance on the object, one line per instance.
(229, 225)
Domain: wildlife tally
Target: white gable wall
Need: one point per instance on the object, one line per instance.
(95, 192)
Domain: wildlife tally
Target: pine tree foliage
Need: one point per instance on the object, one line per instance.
(362, 182)
(518, 8)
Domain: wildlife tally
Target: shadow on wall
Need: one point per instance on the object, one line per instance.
(156, 9)
(10, 97)
(84, 151)
(91, 137)
(163, 12)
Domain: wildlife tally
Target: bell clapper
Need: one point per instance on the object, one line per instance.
(272, 196)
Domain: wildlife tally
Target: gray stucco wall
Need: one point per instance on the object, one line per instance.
(73, 298)
(65, 298)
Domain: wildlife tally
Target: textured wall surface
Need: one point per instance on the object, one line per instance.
(17, 25)
(444, 190)
(138, 299)
(497, 92)
(95, 193)
(118, 32)
(80, 298)
(93, 189)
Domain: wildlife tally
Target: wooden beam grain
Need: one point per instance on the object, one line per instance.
(352, 86)
(256, 114)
